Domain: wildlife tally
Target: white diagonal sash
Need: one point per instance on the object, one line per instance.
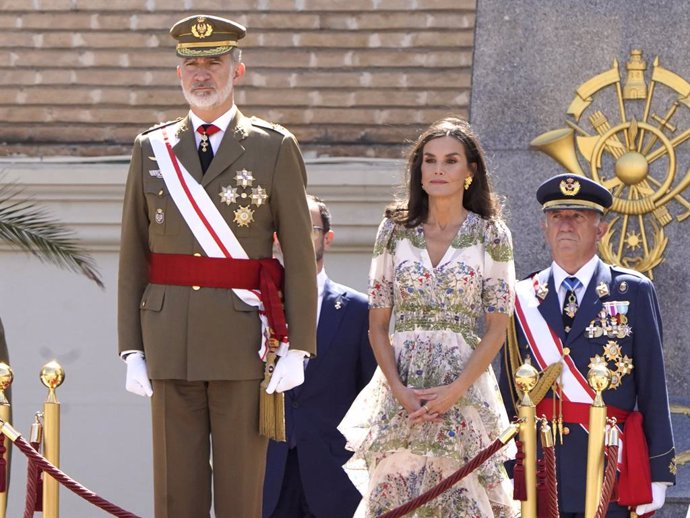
(203, 218)
(547, 347)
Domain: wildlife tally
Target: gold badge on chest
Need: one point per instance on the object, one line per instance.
(612, 322)
(245, 194)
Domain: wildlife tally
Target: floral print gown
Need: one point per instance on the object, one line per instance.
(436, 313)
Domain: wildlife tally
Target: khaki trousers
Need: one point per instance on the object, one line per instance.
(194, 422)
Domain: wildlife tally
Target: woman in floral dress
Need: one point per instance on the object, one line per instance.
(442, 262)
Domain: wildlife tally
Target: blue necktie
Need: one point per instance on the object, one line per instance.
(570, 306)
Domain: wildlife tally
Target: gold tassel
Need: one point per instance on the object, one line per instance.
(271, 406)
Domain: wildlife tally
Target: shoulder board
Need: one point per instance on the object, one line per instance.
(161, 125)
(628, 271)
(270, 125)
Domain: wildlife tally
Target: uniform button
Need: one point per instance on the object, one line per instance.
(143, 303)
(197, 254)
(566, 430)
(160, 193)
(196, 288)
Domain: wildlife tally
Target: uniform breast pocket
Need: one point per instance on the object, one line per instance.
(164, 218)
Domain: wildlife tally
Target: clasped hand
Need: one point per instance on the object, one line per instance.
(427, 404)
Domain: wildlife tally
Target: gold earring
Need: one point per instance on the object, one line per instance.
(468, 182)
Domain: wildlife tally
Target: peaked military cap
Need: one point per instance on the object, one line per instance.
(571, 191)
(203, 35)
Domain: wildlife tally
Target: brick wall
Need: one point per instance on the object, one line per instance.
(348, 77)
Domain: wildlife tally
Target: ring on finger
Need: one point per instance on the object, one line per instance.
(425, 407)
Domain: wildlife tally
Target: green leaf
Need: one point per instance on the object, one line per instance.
(29, 228)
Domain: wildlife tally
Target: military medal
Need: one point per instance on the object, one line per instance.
(244, 216)
(204, 142)
(602, 289)
(228, 195)
(571, 307)
(542, 290)
(259, 196)
(244, 178)
(612, 351)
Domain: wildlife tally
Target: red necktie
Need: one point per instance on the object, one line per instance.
(205, 149)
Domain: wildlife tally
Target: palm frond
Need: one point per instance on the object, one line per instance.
(29, 228)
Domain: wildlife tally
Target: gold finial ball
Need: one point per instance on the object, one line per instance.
(526, 377)
(52, 375)
(6, 376)
(599, 377)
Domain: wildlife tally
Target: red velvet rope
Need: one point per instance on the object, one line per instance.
(445, 484)
(31, 490)
(609, 480)
(36, 461)
(551, 484)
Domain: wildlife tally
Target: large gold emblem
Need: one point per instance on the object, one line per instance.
(627, 131)
(202, 29)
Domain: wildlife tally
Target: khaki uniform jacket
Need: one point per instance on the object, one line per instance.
(210, 334)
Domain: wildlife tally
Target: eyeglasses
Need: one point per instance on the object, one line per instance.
(316, 231)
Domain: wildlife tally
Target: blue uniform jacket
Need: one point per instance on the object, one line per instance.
(644, 389)
(343, 366)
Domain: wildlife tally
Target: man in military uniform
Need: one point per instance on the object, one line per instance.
(199, 295)
(581, 311)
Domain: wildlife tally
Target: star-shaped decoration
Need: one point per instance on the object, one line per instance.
(244, 216)
(624, 365)
(612, 350)
(616, 380)
(259, 196)
(338, 304)
(244, 178)
(596, 361)
(624, 330)
(228, 195)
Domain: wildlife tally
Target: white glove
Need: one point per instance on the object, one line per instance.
(289, 372)
(137, 377)
(658, 499)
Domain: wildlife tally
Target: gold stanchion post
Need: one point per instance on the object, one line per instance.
(6, 377)
(52, 376)
(526, 378)
(599, 378)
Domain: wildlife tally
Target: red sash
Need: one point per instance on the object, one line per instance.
(219, 272)
(635, 482)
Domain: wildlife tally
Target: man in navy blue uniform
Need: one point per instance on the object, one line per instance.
(304, 476)
(581, 311)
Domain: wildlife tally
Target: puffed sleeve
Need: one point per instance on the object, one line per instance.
(382, 270)
(498, 284)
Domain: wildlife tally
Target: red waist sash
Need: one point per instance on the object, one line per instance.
(635, 482)
(265, 275)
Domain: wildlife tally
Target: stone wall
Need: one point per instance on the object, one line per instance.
(348, 77)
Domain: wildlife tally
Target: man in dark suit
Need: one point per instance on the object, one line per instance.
(198, 288)
(581, 311)
(304, 477)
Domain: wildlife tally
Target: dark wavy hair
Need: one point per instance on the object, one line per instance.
(412, 208)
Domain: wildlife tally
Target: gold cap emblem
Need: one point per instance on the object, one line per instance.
(202, 28)
(569, 187)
